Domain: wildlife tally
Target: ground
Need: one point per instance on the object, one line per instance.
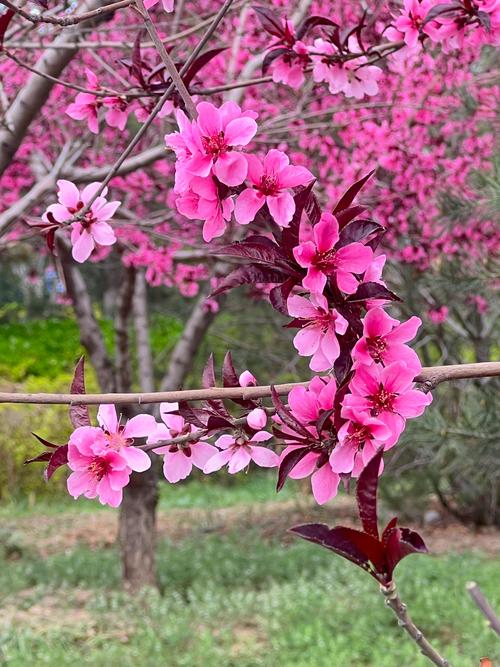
(236, 589)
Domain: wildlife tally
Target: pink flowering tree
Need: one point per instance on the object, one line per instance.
(182, 166)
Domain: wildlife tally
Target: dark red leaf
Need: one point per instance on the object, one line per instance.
(59, 458)
(271, 56)
(372, 291)
(286, 416)
(195, 416)
(313, 209)
(136, 63)
(366, 494)
(348, 214)
(399, 543)
(288, 464)
(364, 543)
(257, 248)
(332, 539)
(229, 375)
(356, 231)
(44, 442)
(347, 198)
(271, 21)
(44, 456)
(42, 3)
(343, 363)
(5, 19)
(200, 62)
(278, 296)
(79, 414)
(323, 418)
(290, 235)
(439, 10)
(310, 23)
(387, 530)
(208, 376)
(215, 423)
(249, 275)
(51, 240)
(292, 438)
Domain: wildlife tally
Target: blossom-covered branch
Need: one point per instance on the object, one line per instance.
(430, 377)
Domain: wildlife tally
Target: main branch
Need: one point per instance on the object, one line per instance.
(430, 377)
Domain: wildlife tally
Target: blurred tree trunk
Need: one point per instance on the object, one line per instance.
(137, 532)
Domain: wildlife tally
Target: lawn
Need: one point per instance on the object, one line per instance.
(233, 598)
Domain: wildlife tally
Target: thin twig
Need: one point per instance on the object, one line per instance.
(167, 60)
(66, 20)
(156, 109)
(484, 606)
(393, 601)
(429, 377)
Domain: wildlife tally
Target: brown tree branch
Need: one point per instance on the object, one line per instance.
(122, 344)
(394, 602)
(167, 60)
(69, 19)
(142, 342)
(484, 606)
(33, 95)
(158, 106)
(90, 333)
(430, 377)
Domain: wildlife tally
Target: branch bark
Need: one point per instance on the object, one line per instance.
(484, 606)
(122, 344)
(430, 377)
(35, 92)
(394, 602)
(90, 333)
(142, 342)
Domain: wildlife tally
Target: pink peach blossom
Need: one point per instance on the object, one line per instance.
(383, 341)
(322, 260)
(202, 202)
(93, 228)
(210, 144)
(238, 451)
(410, 23)
(387, 394)
(178, 460)
(168, 5)
(120, 437)
(359, 438)
(86, 105)
(97, 470)
(271, 180)
(320, 325)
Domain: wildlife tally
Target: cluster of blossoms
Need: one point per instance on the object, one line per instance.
(211, 169)
(328, 278)
(103, 458)
(344, 64)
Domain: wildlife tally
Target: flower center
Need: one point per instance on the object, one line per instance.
(98, 467)
(376, 347)
(117, 440)
(358, 435)
(215, 145)
(382, 400)
(269, 185)
(325, 261)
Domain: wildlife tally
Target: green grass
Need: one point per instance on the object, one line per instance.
(236, 600)
(203, 492)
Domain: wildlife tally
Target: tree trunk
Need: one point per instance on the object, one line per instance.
(137, 531)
